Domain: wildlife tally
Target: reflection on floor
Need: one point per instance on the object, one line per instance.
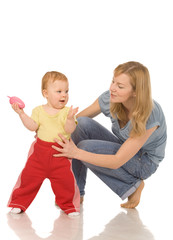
(101, 218)
(65, 228)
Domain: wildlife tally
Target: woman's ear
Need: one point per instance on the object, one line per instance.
(134, 94)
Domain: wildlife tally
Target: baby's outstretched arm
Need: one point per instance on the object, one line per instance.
(28, 122)
(70, 124)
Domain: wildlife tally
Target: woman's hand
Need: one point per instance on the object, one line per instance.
(68, 149)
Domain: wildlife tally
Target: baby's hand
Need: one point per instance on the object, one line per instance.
(16, 108)
(72, 112)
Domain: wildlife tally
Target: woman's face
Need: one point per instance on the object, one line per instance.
(121, 90)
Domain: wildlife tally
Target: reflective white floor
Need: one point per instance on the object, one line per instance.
(101, 216)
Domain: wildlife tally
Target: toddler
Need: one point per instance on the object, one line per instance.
(48, 120)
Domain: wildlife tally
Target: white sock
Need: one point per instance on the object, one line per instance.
(73, 214)
(16, 210)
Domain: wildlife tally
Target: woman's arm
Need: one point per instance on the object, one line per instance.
(28, 122)
(91, 111)
(128, 149)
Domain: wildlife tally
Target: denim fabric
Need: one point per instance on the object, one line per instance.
(93, 137)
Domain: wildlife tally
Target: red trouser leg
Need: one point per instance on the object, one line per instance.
(28, 183)
(64, 185)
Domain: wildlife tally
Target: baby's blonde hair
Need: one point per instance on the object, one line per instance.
(140, 81)
(52, 76)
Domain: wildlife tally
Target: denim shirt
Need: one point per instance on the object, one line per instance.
(156, 143)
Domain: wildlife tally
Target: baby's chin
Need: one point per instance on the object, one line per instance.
(60, 105)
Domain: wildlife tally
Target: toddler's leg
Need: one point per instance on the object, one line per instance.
(27, 185)
(64, 187)
(24, 191)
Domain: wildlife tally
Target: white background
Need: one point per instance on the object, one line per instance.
(85, 40)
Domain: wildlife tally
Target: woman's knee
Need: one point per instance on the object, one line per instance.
(82, 129)
(83, 122)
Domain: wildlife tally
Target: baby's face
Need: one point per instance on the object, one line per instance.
(57, 93)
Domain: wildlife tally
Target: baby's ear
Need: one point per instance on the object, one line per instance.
(44, 92)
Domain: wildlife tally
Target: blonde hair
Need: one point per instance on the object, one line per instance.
(52, 76)
(140, 81)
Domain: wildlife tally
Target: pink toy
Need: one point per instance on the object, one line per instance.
(18, 101)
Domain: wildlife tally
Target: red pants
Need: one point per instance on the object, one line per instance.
(40, 165)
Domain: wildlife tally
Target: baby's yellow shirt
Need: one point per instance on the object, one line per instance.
(50, 125)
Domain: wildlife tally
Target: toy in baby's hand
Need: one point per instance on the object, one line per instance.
(17, 100)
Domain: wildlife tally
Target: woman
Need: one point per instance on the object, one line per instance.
(132, 153)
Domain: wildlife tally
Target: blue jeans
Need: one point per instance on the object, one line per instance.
(93, 137)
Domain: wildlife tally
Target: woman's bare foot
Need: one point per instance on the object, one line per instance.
(134, 199)
(81, 199)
